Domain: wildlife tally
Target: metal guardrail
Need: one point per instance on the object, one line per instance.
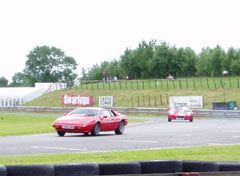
(151, 111)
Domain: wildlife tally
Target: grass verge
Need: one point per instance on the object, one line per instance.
(209, 153)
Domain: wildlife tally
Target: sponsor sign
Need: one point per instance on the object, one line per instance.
(106, 101)
(77, 100)
(190, 101)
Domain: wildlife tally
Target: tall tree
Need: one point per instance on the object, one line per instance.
(49, 64)
(3, 82)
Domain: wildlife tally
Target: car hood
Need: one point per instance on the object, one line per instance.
(75, 119)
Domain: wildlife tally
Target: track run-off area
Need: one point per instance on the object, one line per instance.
(156, 133)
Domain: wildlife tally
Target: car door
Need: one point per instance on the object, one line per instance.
(115, 120)
(105, 120)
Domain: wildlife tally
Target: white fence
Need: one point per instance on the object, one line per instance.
(15, 96)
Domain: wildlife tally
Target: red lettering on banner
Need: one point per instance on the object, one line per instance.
(77, 100)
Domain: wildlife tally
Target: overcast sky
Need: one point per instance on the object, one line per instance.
(93, 31)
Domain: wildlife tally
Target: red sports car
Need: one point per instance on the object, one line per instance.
(180, 113)
(90, 120)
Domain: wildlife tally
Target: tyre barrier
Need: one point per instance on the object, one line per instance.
(200, 166)
(30, 170)
(3, 171)
(161, 166)
(152, 167)
(76, 169)
(120, 168)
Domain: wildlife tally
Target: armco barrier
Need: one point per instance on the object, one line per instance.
(145, 168)
(155, 111)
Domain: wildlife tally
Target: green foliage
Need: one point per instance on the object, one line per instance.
(153, 60)
(49, 64)
(3, 82)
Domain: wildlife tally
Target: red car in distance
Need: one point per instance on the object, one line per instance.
(180, 113)
(90, 120)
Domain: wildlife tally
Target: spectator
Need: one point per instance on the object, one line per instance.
(105, 77)
(170, 77)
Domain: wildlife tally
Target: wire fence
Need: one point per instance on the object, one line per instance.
(195, 83)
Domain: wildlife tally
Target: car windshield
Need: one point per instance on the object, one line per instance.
(85, 112)
(180, 108)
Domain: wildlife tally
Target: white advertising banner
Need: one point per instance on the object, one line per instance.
(106, 101)
(190, 101)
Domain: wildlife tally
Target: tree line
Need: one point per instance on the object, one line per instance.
(153, 60)
(149, 60)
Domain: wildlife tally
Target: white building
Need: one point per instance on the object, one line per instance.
(14, 96)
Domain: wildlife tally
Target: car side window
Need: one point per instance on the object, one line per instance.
(112, 113)
(105, 113)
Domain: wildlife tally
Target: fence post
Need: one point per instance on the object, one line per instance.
(207, 83)
(137, 84)
(194, 83)
(167, 98)
(143, 84)
(131, 85)
(214, 83)
(161, 99)
(201, 82)
(238, 82)
(120, 84)
(143, 101)
(155, 100)
(167, 83)
(149, 84)
(230, 84)
(187, 82)
(180, 84)
(155, 83)
(138, 100)
(149, 100)
(132, 101)
(173, 84)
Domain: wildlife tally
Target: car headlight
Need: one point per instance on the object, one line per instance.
(171, 113)
(188, 113)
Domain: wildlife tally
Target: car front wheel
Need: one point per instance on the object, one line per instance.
(169, 119)
(120, 128)
(60, 133)
(96, 129)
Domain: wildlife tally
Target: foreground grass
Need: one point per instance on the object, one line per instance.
(12, 124)
(213, 153)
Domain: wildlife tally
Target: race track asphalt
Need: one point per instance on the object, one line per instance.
(157, 133)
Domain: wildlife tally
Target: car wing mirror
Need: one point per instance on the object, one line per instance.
(104, 117)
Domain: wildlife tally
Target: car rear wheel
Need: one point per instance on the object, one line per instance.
(191, 120)
(96, 129)
(120, 128)
(169, 119)
(60, 133)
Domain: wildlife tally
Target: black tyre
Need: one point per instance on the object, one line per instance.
(161, 166)
(96, 130)
(169, 119)
(120, 168)
(191, 120)
(76, 169)
(200, 166)
(120, 128)
(85, 134)
(60, 133)
(30, 170)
